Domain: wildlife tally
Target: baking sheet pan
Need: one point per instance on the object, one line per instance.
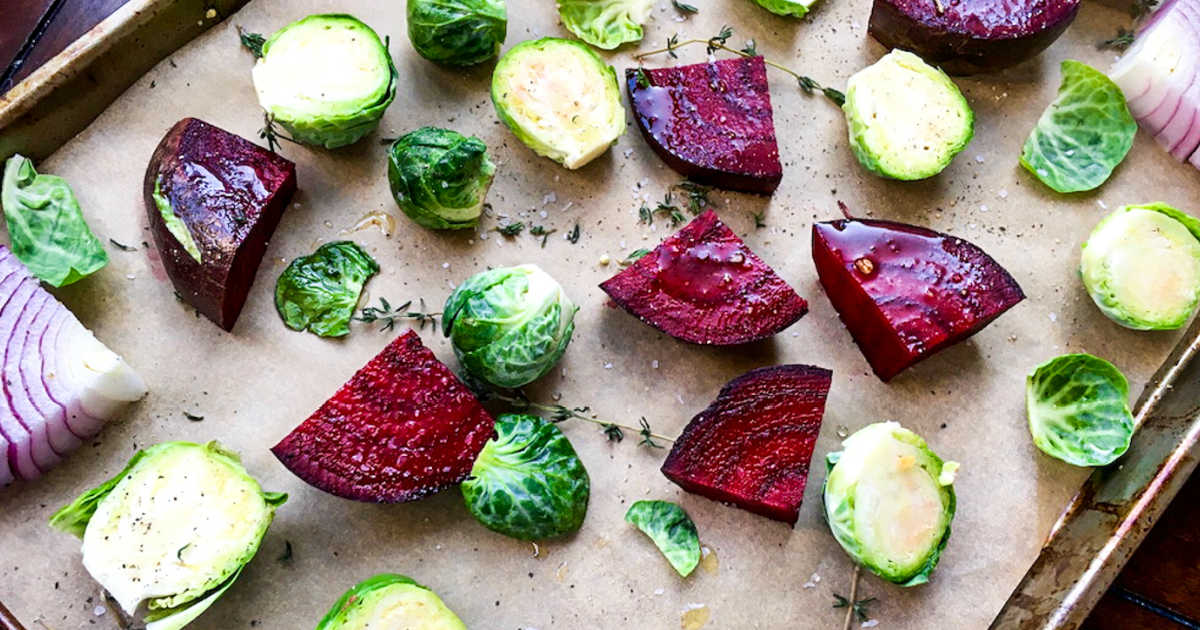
(253, 385)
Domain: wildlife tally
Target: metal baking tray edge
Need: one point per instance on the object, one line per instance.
(1093, 538)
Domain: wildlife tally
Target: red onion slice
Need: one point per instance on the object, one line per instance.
(62, 440)
(14, 328)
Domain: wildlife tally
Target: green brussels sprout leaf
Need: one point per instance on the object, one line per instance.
(326, 79)
(672, 531)
(787, 8)
(439, 178)
(1141, 266)
(1078, 407)
(1083, 135)
(528, 483)
(889, 501)
(320, 292)
(605, 23)
(46, 227)
(509, 325)
(457, 32)
(389, 600)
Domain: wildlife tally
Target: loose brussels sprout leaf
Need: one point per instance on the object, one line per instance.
(1083, 135)
(326, 79)
(907, 119)
(790, 8)
(320, 292)
(175, 225)
(46, 226)
(560, 99)
(173, 529)
(1141, 265)
(1078, 407)
(528, 483)
(605, 23)
(439, 178)
(672, 531)
(509, 325)
(457, 32)
(389, 601)
(889, 501)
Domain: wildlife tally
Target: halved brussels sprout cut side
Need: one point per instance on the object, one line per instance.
(439, 178)
(326, 79)
(605, 23)
(174, 529)
(560, 99)
(787, 8)
(907, 119)
(457, 32)
(509, 325)
(1141, 265)
(388, 601)
(1078, 408)
(889, 501)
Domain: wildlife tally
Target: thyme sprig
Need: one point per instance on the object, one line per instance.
(387, 316)
(718, 42)
(1122, 41)
(855, 608)
(510, 229)
(272, 134)
(696, 201)
(252, 42)
(614, 431)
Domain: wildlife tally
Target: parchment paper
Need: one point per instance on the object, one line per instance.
(254, 385)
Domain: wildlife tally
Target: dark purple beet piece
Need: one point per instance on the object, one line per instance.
(230, 194)
(711, 122)
(704, 285)
(753, 444)
(906, 292)
(401, 428)
(971, 36)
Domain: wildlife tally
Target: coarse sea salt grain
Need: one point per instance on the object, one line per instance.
(1053, 317)
(654, 364)
(870, 623)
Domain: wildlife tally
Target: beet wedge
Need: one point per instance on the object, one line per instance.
(704, 285)
(906, 292)
(403, 427)
(753, 445)
(711, 122)
(214, 200)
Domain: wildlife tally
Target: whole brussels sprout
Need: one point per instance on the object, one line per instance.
(889, 501)
(439, 177)
(457, 32)
(509, 326)
(326, 79)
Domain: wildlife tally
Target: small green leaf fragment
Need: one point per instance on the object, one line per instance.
(1078, 408)
(320, 292)
(672, 531)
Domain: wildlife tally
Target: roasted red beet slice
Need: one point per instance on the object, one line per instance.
(905, 292)
(971, 36)
(711, 122)
(403, 427)
(753, 444)
(704, 285)
(228, 195)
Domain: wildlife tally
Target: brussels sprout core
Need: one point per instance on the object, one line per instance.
(560, 99)
(509, 326)
(439, 178)
(326, 79)
(1141, 265)
(907, 119)
(889, 502)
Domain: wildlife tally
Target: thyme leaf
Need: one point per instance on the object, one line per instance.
(718, 41)
(252, 42)
(121, 246)
(540, 230)
(1122, 41)
(684, 7)
(511, 229)
(860, 607)
(573, 235)
(750, 48)
(634, 256)
(647, 434)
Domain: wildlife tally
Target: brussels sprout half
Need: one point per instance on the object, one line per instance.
(326, 79)
(907, 119)
(457, 32)
(1078, 408)
(1141, 265)
(174, 529)
(605, 23)
(560, 99)
(889, 501)
(389, 600)
(510, 325)
(787, 8)
(439, 178)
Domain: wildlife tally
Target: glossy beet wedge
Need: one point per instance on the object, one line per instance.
(711, 122)
(752, 446)
(704, 285)
(971, 36)
(906, 292)
(401, 428)
(214, 200)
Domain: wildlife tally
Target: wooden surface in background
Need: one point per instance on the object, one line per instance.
(1159, 588)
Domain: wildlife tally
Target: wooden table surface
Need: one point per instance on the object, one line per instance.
(1159, 588)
